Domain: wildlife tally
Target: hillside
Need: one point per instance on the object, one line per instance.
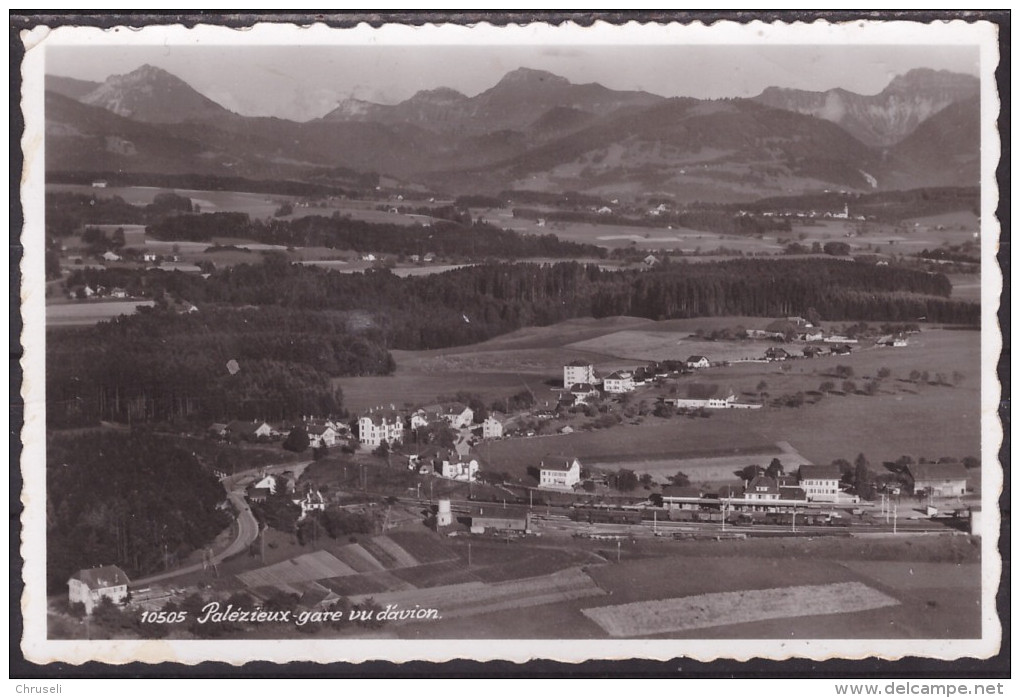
(886, 118)
(535, 130)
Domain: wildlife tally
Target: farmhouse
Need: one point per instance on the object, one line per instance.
(249, 431)
(578, 372)
(650, 261)
(320, 435)
(312, 501)
(840, 349)
(697, 361)
(111, 256)
(374, 429)
(940, 479)
(776, 354)
(813, 351)
(90, 587)
(492, 428)
(560, 474)
(820, 482)
(618, 382)
(449, 465)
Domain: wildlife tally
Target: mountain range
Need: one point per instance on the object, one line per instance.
(536, 130)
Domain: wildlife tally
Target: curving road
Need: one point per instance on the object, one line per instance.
(247, 526)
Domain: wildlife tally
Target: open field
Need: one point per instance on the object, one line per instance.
(727, 608)
(718, 470)
(643, 345)
(902, 418)
(89, 312)
(931, 591)
(724, 434)
(255, 205)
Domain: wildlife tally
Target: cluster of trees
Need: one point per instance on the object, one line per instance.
(449, 238)
(108, 504)
(160, 365)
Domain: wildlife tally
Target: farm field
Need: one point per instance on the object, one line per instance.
(897, 420)
(727, 608)
(255, 205)
(911, 598)
(89, 313)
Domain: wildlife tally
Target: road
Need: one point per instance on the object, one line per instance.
(247, 526)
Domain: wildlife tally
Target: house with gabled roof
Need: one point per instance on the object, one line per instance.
(820, 482)
(618, 382)
(89, 587)
(249, 430)
(697, 361)
(559, 473)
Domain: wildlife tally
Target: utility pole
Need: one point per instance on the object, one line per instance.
(794, 519)
(618, 551)
(896, 511)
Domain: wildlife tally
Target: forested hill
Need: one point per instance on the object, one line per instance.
(291, 328)
(125, 500)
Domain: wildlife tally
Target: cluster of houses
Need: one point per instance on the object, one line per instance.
(311, 499)
(85, 291)
(376, 427)
(583, 384)
(816, 484)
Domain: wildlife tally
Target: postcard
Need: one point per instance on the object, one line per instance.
(635, 340)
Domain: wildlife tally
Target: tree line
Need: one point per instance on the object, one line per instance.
(447, 238)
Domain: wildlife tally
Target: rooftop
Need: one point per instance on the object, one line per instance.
(101, 577)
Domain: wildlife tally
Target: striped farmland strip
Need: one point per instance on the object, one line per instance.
(376, 551)
(302, 568)
(358, 558)
(426, 547)
(474, 598)
(403, 558)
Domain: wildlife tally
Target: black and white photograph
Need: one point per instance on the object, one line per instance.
(544, 341)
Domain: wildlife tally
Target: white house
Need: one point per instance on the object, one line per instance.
(582, 393)
(312, 501)
(492, 428)
(618, 382)
(463, 470)
(374, 429)
(320, 435)
(712, 403)
(111, 256)
(90, 587)
(560, 474)
(697, 361)
(249, 430)
(820, 482)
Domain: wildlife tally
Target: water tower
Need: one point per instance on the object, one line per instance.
(444, 517)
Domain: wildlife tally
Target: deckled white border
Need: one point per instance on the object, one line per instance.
(38, 648)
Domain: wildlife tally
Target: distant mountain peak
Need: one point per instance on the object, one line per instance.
(530, 76)
(154, 95)
(439, 94)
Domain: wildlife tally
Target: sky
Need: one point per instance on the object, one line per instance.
(305, 82)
